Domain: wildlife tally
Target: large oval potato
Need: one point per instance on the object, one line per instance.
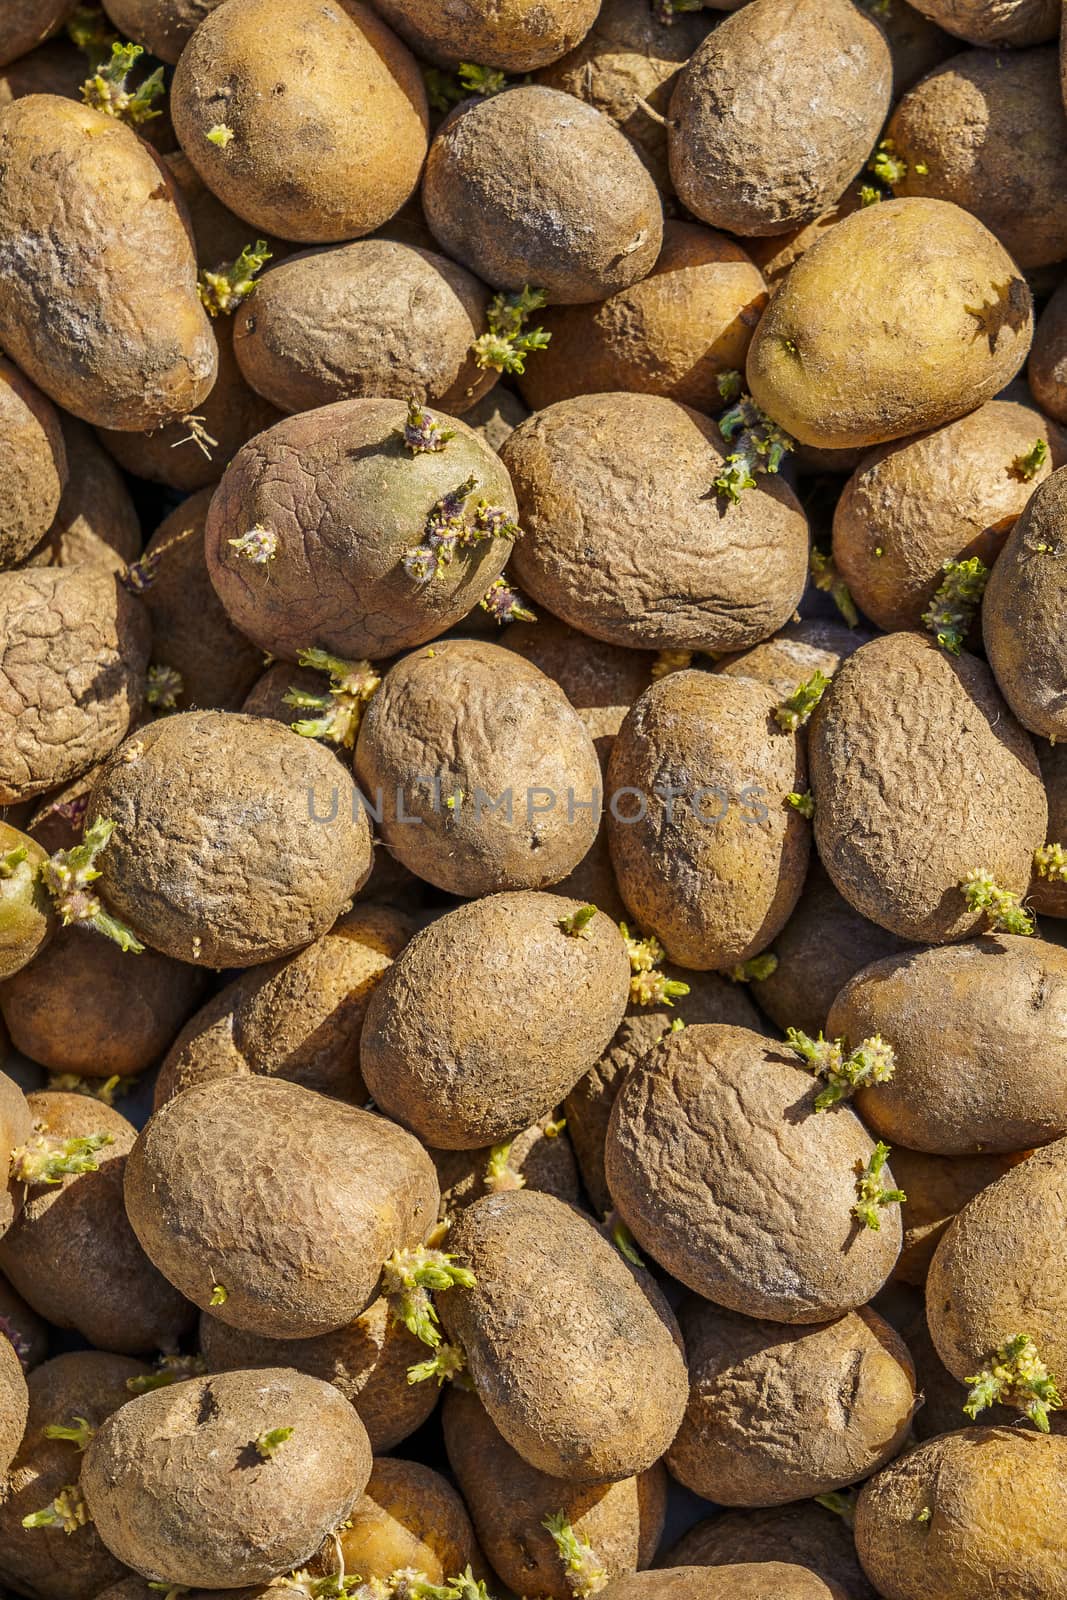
(33, 465)
(516, 36)
(1024, 614)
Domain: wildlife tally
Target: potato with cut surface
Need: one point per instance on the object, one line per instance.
(408, 1519)
(27, 920)
(540, 1157)
(96, 520)
(938, 1188)
(802, 1534)
(995, 22)
(1023, 614)
(33, 465)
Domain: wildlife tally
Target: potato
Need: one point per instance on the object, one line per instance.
(709, 856)
(594, 476)
(1048, 894)
(367, 1361)
(28, 22)
(215, 1207)
(539, 1158)
(732, 1182)
(179, 1446)
(33, 465)
(23, 1329)
(534, 187)
(267, 696)
(993, 1496)
(50, 1563)
(96, 520)
(219, 235)
(776, 111)
(74, 648)
(202, 777)
(516, 37)
(803, 1534)
(1047, 368)
(466, 1064)
(16, 1127)
(949, 495)
(759, 1580)
(916, 44)
(593, 675)
(995, 22)
(14, 1403)
(344, 502)
(509, 1501)
(840, 359)
(541, 1268)
(27, 920)
(409, 1518)
(164, 27)
(374, 319)
(979, 1031)
(793, 654)
(1023, 614)
(496, 415)
(53, 68)
(778, 1413)
(126, 342)
(937, 1188)
(898, 830)
(775, 253)
(672, 334)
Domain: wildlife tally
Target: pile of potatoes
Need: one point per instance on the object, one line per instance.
(533, 688)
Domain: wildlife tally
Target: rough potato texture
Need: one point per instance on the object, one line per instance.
(776, 111)
(839, 357)
(14, 1403)
(178, 1490)
(28, 22)
(16, 1126)
(497, 972)
(516, 35)
(554, 1297)
(509, 1501)
(164, 27)
(408, 1518)
(980, 1036)
(778, 1413)
(73, 653)
(218, 234)
(672, 334)
(729, 1178)
(1048, 896)
(374, 319)
(236, 842)
(709, 855)
(627, 540)
(72, 1254)
(458, 731)
(949, 495)
(298, 1249)
(98, 302)
(803, 1535)
(346, 502)
(793, 654)
(367, 1361)
(898, 827)
(937, 1188)
(345, 78)
(33, 465)
(1024, 612)
(995, 1525)
(1047, 369)
(96, 520)
(540, 1158)
(535, 187)
(996, 22)
(748, 1580)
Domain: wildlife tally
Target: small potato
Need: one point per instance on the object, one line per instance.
(23, 1329)
(776, 111)
(749, 1580)
(728, 1177)
(593, 675)
(803, 1534)
(1047, 369)
(937, 1187)
(538, 1158)
(164, 27)
(978, 1511)
(27, 920)
(595, 478)
(897, 828)
(553, 1297)
(33, 465)
(516, 37)
(28, 22)
(467, 1063)
(96, 520)
(335, 70)
(14, 1403)
(839, 358)
(1048, 888)
(793, 654)
(16, 1127)
(533, 187)
(1024, 612)
(778, 1413)
(995, 22)
(509, 1501)
(408, 1518)
(259, 1510)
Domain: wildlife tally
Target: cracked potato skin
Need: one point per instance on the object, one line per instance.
(33, 465)
(1024, 612)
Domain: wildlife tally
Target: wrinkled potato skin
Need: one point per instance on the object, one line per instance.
(1046, 372)
(126, 342)
(509, 1500)
(803, 1534)
(996, 22)
(347, 77)
(179, 1446)
(408, 1517)
(776, 111)
(14, 1403)
(839, 358)
(584, 1312)
(898, 843)
(714, 892)
(73, 653)
(731, 1182)
(625, 540)
(28, 23)
(1048, 896)
(214, 1201)
(672, 334)
(33, 465)
(556, 998)
(164, 27)
(995, 1497)
(96, 520)
(790, 657)
(535, 187)
(16, 1126)
(516, 35)
(937, 1187)
(535, 1160)
(980, 1036)
(762, 1580)
(1024, 612)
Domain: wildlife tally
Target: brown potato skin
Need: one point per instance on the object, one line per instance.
(517, 36)
(509, 1500)
(802, 1534)
(776, 111)
(994, 1495)
(28, 22)
(179, 1445)
(1047, 368)
(534, 187)
(790, 657)
(96, 520)
(536, 1160)
(898, 843)
(14, 1403)
(1024, 611)
(408, 1517)
(839, 358)
(52, 68)
(164, 27)
(1048, 896)
(593, 675)
(584, 1312)
(431, 1048)
(22, 1327)
(937, 1187)
(33, 465)
(711, 1140)
(345, 74)
(596, 475)
(996, 22)
(760, 1580)
(16, 1127)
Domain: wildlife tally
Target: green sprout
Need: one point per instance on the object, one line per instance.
(889, 169)
(220, 135)
(1051, 862)
(1028, 465)
(259, 545)
(106, 1090)
(755, 969)
(90, 32)
(10, 863)
(422, 433)
(107, 89)
(584, 1572)
(67, 1511)
(1003, 907)
(576, 924)
(446, 1365)
(230, 285)
(956, 601)
(923, 1517)
(871, 1197)
(760, 445)
(648, 985)
(873, 1061)
(804, 803)
(842, 1502)
(1016, 1376)
(78, 1433)
(219, 1295)
(869, 195)
(168, 1370)
(622, 1238)
(730, 385)
(340, 711)
(408, 1279)
(507, 344)
(795, 712)
(446, 89)
(268, 1444)
(164, 686)
(505, 604)
(499, 1177)
(67, 875)
(825, 576)
(668, 661)
(49, 1159)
